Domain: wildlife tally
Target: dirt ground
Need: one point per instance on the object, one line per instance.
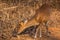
(12, 14)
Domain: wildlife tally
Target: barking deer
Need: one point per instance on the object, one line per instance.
(41, 16)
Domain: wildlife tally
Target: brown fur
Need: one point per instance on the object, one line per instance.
(42, 15)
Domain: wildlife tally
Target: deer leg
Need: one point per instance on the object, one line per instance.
(36, 33)
(47, 31)
(40, 31)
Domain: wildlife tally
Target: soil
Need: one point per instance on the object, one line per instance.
(12, 14)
